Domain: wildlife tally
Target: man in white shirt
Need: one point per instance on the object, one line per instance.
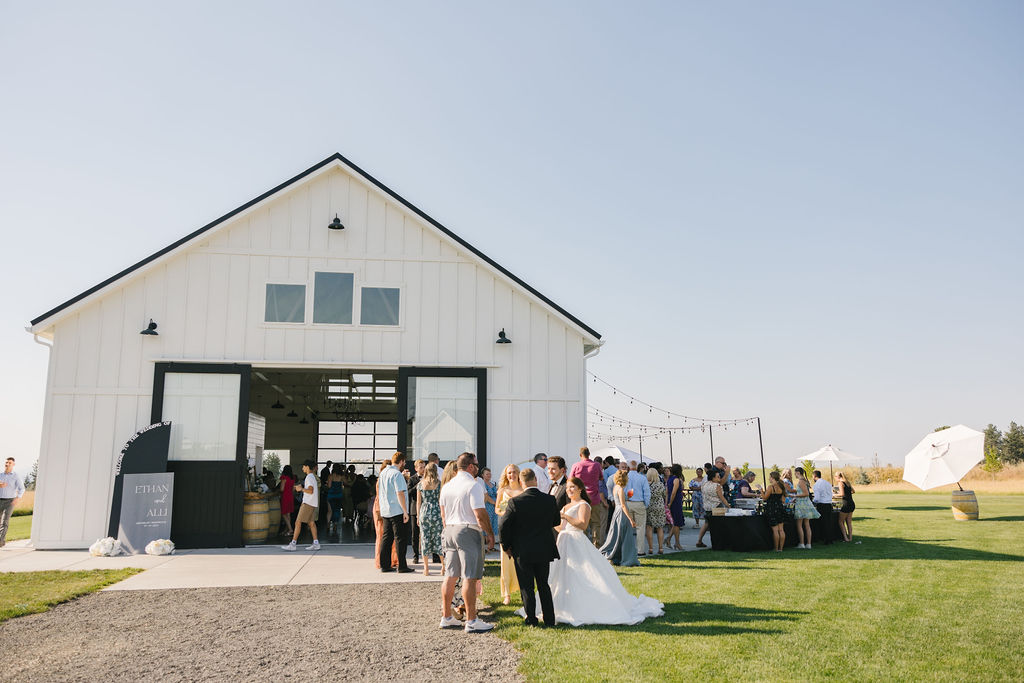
(465, 517)
(822, 496)
(540, 468)
(310, 489)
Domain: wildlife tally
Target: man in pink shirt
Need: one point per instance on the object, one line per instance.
(591, 473)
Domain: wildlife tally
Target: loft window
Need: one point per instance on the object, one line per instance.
(332, 298)
(379, 306)
(286, 304)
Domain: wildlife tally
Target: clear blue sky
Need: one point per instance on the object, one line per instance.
(810, 212)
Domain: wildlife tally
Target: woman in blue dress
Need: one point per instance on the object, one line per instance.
(489, 499)
(620, 546)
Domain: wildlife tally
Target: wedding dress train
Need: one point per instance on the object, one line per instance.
(586, 589)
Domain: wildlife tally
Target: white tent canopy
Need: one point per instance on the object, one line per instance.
(828, 453)
(619, 453)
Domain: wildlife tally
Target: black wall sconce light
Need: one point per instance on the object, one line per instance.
(502, 339)
(336, 224)
(150, 330)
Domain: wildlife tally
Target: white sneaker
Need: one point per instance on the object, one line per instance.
(450, 622)
(315, 546)
(807, 546)
(478, 626)
(290, 547)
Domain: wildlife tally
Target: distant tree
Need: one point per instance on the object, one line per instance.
(993, 439)
(808, 469)
(32, 478)
(272, 462)
(1013, 443)
(992, 463)
(939, 429)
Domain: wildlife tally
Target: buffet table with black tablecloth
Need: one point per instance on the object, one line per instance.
(752, 533)
(746, 534)
(816, 531)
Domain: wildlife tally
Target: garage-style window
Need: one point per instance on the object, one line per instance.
(285, 304)
(379, 306)
(332, 298)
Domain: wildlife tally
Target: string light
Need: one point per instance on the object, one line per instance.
(715, 422)
(603, 416)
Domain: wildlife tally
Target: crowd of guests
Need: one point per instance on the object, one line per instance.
(623, 510)
(789, 494)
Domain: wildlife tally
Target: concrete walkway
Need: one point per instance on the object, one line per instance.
(226, 567)
(253, 566)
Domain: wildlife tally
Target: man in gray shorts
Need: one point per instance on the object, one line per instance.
(465, 517)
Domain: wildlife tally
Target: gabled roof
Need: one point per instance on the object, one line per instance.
(329, 160)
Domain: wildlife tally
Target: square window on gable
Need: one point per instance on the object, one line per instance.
(332, 298)
(285, 304)
(379, 306)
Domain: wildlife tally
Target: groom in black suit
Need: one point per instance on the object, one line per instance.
(556, 471)
(526, 536)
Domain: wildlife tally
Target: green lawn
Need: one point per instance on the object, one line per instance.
(31, 592)
(921, 598)
(21, 527)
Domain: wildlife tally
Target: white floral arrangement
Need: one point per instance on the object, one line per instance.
(161, 546)
(106, 547)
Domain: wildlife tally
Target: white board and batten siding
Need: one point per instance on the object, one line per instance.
(208, 299)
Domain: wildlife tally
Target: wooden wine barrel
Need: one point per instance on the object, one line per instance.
(965, 506)
(255, 514)
(274, 512)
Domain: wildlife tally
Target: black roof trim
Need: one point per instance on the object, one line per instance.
(300, 176)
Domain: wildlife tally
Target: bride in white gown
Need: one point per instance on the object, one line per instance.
(584, 585)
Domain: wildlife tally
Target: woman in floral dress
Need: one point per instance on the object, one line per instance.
(428, 515)
(656, 512)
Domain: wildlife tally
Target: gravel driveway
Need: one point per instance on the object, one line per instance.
(368, 632)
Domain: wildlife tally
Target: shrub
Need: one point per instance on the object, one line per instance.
(992, 463)
(862, 478)
(21, 512)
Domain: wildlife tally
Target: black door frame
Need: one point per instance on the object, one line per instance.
(231, 526)
(406, 373)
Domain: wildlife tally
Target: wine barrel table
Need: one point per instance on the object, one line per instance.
(255, 519)
(965, 506)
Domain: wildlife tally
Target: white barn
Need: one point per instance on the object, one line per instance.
(278, 327)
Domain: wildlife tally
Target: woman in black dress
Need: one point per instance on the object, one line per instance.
(774, 509)
(845, 512)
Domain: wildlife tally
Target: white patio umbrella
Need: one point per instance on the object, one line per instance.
(829, 454)
(944, 457)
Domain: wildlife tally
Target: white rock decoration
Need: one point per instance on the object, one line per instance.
(161, 546)
(106, 547)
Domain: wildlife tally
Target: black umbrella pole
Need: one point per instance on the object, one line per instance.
(760, 442)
